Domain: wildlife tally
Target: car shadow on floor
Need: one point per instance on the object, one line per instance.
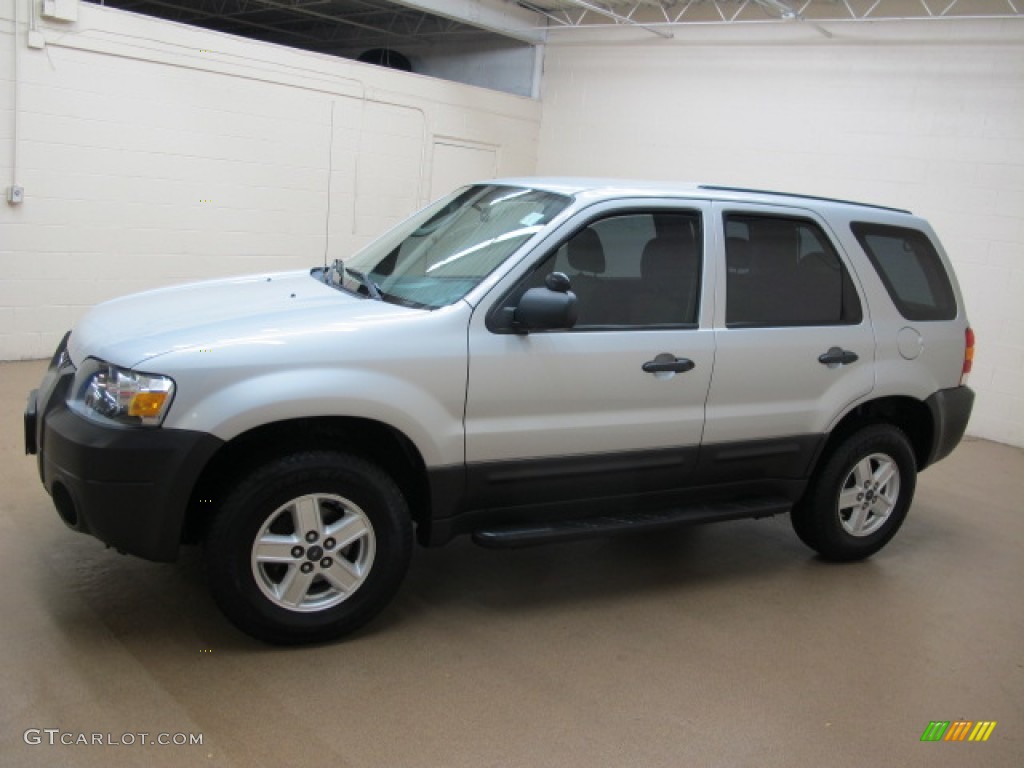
(168, 603)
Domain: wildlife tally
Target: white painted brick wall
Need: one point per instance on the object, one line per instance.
(153, 153)
(925, 116)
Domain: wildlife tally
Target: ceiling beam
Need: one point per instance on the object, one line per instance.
(302, 10)
(620, 19)
(496, 16)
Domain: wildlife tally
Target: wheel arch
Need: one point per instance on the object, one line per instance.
(372, 440)
(911, 416)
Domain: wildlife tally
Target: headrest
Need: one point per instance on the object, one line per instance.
(666, 258)
(586, 254)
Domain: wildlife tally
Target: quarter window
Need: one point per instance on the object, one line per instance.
(785, 272)
(911, 270)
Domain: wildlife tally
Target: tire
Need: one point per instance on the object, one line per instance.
(859, 495)
(308, 548)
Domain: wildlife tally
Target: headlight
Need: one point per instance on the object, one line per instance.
(105, 391)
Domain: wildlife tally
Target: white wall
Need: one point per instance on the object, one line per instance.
(153, 153)
(927, 116)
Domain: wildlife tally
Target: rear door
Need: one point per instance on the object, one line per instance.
(794, 345)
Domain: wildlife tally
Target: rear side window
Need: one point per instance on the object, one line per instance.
(911, 270)
(783, 272)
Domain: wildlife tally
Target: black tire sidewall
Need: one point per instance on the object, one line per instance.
(816, 517)
(245, 511)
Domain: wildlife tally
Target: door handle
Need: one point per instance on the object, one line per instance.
(838, 356)
(666, 363)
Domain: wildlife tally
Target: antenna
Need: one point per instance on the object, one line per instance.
(330, 173)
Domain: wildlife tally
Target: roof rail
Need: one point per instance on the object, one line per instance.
(716, 188)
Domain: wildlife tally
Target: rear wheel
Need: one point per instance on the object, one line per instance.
(309, 547)
(859, 496)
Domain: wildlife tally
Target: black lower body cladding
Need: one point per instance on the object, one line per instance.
(128, 487)
(951, 410)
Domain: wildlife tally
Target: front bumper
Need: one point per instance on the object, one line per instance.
(129, 487)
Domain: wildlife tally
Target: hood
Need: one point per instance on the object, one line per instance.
(135, 328)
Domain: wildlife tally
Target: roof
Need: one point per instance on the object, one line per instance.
(611, 187)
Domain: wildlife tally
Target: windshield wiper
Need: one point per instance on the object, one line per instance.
(371, 286)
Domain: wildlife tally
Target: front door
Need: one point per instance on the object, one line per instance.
(610, 412)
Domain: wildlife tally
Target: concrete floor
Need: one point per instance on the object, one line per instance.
(727, 645)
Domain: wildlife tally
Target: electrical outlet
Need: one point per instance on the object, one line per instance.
(16, 194)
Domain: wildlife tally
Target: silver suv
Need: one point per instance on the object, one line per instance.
(524, 361)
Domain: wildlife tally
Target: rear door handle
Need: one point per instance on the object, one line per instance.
(666, 363)
(838, 356)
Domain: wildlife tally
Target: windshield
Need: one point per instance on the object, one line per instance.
(441, 253)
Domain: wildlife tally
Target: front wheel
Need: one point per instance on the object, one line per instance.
(859, 495)
(309, 547)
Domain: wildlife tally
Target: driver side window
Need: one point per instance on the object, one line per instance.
(635, 270)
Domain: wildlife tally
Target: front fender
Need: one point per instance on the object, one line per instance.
(408, 372)
(427, 410)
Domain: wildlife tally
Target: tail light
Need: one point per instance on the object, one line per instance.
(968, 355)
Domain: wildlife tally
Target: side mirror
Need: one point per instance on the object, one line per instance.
(552, 307)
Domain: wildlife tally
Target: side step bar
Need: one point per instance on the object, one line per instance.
(527, 534)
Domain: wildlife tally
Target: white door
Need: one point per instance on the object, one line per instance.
(455, 165)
